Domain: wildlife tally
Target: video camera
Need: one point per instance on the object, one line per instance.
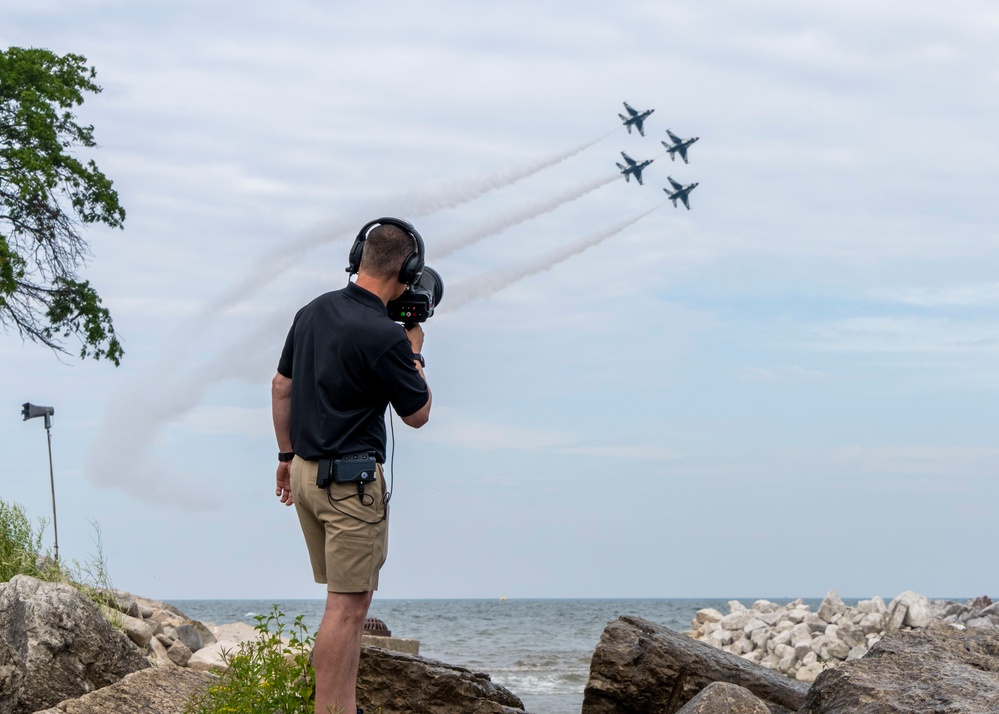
(417, 304)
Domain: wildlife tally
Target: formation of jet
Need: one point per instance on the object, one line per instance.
(679, 146)
(634, 168)
(634, 118)
(679, 192)
(676, 145)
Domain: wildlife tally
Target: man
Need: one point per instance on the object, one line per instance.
(343, 362)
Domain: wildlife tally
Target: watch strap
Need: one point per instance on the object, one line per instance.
(286, 455)
(419, 358)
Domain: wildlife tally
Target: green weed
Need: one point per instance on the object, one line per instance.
(265, 676)
(21, 551)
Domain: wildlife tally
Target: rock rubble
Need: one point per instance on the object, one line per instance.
(800, 643)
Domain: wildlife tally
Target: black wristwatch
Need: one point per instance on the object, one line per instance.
(286, 455)
(419, 358)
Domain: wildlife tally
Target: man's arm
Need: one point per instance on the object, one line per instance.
(281, 413)
(422, 415)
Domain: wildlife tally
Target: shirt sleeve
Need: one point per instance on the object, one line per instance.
(407, 390)
(287, 354)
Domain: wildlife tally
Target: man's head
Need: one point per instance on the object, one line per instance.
(385, 249)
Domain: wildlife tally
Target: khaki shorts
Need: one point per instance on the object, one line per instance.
(346, 552)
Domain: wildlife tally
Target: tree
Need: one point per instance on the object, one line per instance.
(46, 195)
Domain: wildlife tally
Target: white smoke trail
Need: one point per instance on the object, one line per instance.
(484, 286)
(447, 246)
(415, 205)
(121, 456)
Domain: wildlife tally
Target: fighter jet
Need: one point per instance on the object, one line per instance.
(679, 146)
(679, 192)
(633, 168)
(635, 118)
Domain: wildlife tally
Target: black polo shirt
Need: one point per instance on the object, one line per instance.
(347, 361)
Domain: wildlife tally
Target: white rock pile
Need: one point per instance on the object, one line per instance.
(800, 643)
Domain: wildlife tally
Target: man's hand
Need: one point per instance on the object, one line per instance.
(283, 490)
(415, 334)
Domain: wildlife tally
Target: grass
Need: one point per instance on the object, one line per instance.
(21, 553)
(270, 674)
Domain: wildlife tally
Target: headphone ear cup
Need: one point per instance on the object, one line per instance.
(412, 269)
(354, 257)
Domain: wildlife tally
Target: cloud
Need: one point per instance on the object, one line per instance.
(450, 426)
(639, 452)
(878, 334)
(976, 295)
(781, 373)
(250, 422)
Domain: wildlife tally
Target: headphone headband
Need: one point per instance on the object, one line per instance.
(412, 266)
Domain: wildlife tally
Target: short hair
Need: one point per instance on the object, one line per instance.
(385, 249)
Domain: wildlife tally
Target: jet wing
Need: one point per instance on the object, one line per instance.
(685, 201)
(631, 161)
(631, 110)
(638, 177)
(674, 138)
(682, 150)
(676, 186)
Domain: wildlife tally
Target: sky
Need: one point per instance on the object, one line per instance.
(789, 388)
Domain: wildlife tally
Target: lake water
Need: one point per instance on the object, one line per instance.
(538, 649)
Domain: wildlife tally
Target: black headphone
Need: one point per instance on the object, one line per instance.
(412, 266)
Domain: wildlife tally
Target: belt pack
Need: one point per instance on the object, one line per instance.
(353, 468)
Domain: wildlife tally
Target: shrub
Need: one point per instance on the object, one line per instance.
(267, 675)
(21, 550)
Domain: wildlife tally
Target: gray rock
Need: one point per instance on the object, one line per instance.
(872, 622)
(639, 666)
(158, 690)
(850, 634)
(231, 637)
(736, 620)
(896, 616)
(707, 614)
(766, 606)
(797, 614)
(57, 646)
(990, 610)
(127, 606)
(916, 672)
(395, 682)
(138, 631)
(874, 605)
(816, 623)
(981, 623)
(179, 653)
(809, 672)
(919, 612)
(801, 634)
(831, 606)
(158, 654)
(724, 698)
(190, 636)
(856, 653)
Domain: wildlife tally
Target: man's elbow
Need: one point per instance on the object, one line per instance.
(280, 387)
(419, 417)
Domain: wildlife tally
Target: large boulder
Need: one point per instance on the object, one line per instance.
(229, 639)
(639, 666)
(56, 646)
(159, 690)
(396, 683)
(917, 672)
(722, 698)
